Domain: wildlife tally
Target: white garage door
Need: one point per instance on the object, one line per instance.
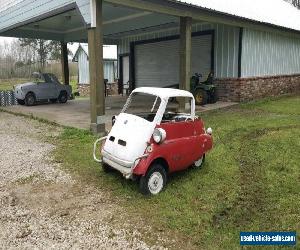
(157, 64)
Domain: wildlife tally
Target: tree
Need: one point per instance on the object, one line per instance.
(42, 47)
(55, 53)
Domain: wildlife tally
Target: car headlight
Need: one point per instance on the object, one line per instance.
(209, 131)
(159, 135)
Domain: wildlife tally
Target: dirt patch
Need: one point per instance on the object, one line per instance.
(43, 207)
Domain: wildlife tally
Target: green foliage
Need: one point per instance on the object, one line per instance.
(46, 49)
(249, 182)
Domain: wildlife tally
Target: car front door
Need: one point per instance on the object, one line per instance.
(45, 90)
(180, 144)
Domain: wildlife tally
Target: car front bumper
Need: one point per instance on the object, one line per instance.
(19, 94)
(125, 167)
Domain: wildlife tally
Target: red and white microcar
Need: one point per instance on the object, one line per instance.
(152, 137)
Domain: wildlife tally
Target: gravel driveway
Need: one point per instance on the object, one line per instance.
(43, 207)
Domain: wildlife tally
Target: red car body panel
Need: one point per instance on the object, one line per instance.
(186, 142)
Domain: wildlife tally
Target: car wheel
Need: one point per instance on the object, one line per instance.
(21, 102)
(53, 100)
(200, 162)
(106, 168)
(200, 97)
(154, 181)
(63, 97)
(30, 99)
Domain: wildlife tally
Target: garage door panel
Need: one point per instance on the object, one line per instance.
(157, 64)
(201, 55)
(154, 62)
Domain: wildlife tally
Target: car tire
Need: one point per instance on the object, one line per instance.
(30, 99)
(53, 100)
(200, 162)
(201, 97)
(154, 181)
(20, 102)
(106, 168)
(63, 97)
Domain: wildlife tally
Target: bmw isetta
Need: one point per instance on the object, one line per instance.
(156, 133)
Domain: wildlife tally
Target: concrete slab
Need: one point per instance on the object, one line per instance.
(76, 113)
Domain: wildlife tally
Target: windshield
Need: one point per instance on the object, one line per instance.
(142, 105)
(37, 78)
(50, 78)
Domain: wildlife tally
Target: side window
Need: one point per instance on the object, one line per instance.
(178, 109)
(179, 105)
(38, 78)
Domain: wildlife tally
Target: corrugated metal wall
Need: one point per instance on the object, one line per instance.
(226, 46)
(266, 54)
(109, 68)
(83, 68)
(28, 9)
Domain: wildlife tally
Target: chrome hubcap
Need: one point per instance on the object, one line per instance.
(155, 183)
(30, 100)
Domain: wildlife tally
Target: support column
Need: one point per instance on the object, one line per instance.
(97, 94)
(65, 63)
(185, 54)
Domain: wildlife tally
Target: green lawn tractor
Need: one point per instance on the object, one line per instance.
(204, 92)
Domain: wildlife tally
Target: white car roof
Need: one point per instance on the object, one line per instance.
(163, 92)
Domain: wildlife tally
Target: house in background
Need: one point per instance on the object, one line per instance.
(110, 65)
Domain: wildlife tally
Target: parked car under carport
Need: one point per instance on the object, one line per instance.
(43, 87)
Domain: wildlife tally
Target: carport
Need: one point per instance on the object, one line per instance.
(98, 22)
(101, 22)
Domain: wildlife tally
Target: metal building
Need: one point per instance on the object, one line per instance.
(110, 63)
(253, 46)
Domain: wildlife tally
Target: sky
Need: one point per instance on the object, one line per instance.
(110, 51)
(73, 47)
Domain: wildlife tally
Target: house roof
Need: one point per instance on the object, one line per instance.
(274, 12)
(109, 51)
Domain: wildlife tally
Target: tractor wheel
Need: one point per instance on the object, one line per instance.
(200, 97)
(154, 181)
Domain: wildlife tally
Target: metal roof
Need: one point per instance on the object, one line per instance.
(67, 20)
(274, 12)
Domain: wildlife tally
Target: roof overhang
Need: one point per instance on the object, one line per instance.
(123, 18)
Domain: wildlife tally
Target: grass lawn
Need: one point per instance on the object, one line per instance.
(250, 180)
(8, 84)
